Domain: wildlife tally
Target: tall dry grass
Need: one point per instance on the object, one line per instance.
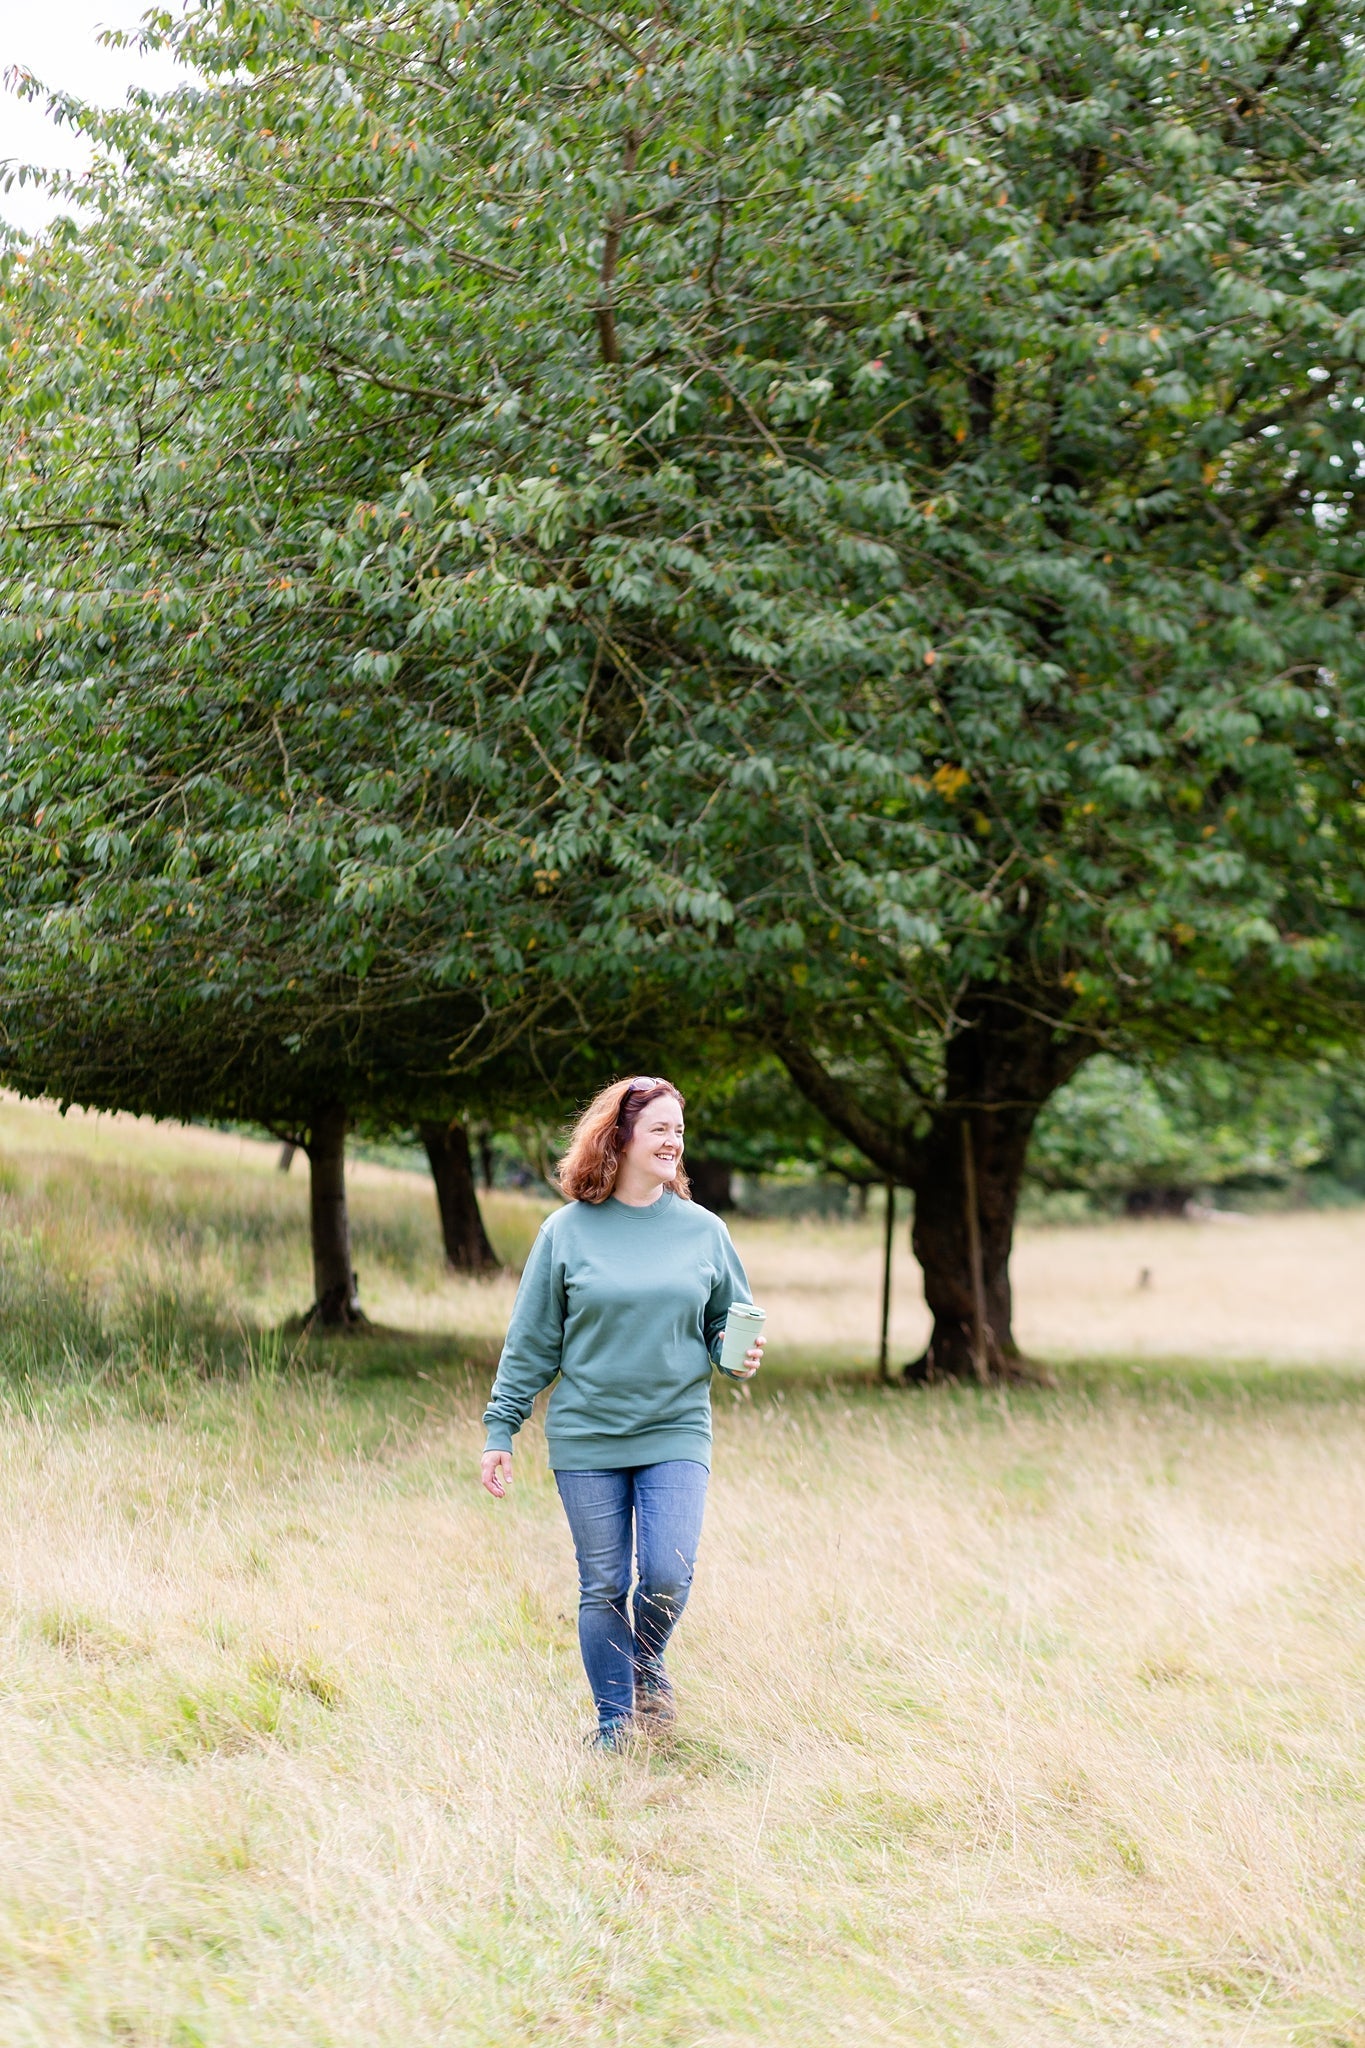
(140, 1243)
(1008, 1719)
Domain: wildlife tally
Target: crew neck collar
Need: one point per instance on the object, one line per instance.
(661, 1201)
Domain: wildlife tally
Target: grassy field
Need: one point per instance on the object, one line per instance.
(1022, 1719)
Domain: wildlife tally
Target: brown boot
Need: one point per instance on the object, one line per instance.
(656, 1711)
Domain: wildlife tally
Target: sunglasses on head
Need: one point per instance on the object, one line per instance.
(641, 1084)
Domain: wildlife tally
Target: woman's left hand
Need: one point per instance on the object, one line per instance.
(753, 1358)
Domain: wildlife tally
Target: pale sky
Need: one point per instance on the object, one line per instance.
(56, 41)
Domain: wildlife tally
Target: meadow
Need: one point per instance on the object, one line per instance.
(1026, 1717)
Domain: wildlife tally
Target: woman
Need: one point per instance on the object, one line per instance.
(624, 1297)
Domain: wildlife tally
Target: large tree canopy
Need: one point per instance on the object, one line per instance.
(858, 513)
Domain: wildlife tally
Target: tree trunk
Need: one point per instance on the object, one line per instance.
(335, 1302)
(711, 1183)
(452, 1170)
(1000, 1070)
(943, 1241)
(486, 1158)
(1005, 1057)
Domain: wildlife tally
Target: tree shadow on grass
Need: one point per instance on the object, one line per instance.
(381, 1352)
(801, 1371)
(1226, 1382)
(1216, 1383)
(56, 1337)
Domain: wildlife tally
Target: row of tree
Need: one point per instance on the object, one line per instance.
(819, 553)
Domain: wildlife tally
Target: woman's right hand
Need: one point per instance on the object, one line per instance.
(495, 1472)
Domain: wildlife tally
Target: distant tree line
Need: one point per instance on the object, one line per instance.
(816, 552)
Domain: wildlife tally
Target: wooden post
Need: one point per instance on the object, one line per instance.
(980, 1358)
(883, 1365)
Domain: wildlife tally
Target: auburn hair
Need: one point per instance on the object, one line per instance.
(588, 1170)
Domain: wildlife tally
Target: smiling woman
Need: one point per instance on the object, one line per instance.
(628, 1142)
(624, 1301)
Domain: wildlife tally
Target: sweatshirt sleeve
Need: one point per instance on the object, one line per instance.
(731, 1284)
(531, 1350)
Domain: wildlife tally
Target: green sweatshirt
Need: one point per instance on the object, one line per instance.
(627, 1306)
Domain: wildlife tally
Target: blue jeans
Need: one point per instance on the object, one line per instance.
(666, 1503)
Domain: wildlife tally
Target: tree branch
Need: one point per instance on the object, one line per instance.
(482, 263)
(427, 391)
(894, 1152)
(603, 28)
(611, 250)
(64, 525)
(1308, 21)
(1302, 402)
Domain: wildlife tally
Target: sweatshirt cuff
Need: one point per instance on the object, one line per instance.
(498, 1436)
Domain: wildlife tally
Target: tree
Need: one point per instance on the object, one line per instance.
(463, 1235)
(155, 1051)
(254, 863)
(881, 490)
(1148, 688)
(1154, 1138)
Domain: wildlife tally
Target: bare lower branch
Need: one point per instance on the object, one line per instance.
(894, 1151)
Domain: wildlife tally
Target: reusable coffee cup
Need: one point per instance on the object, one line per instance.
(743, 1323)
